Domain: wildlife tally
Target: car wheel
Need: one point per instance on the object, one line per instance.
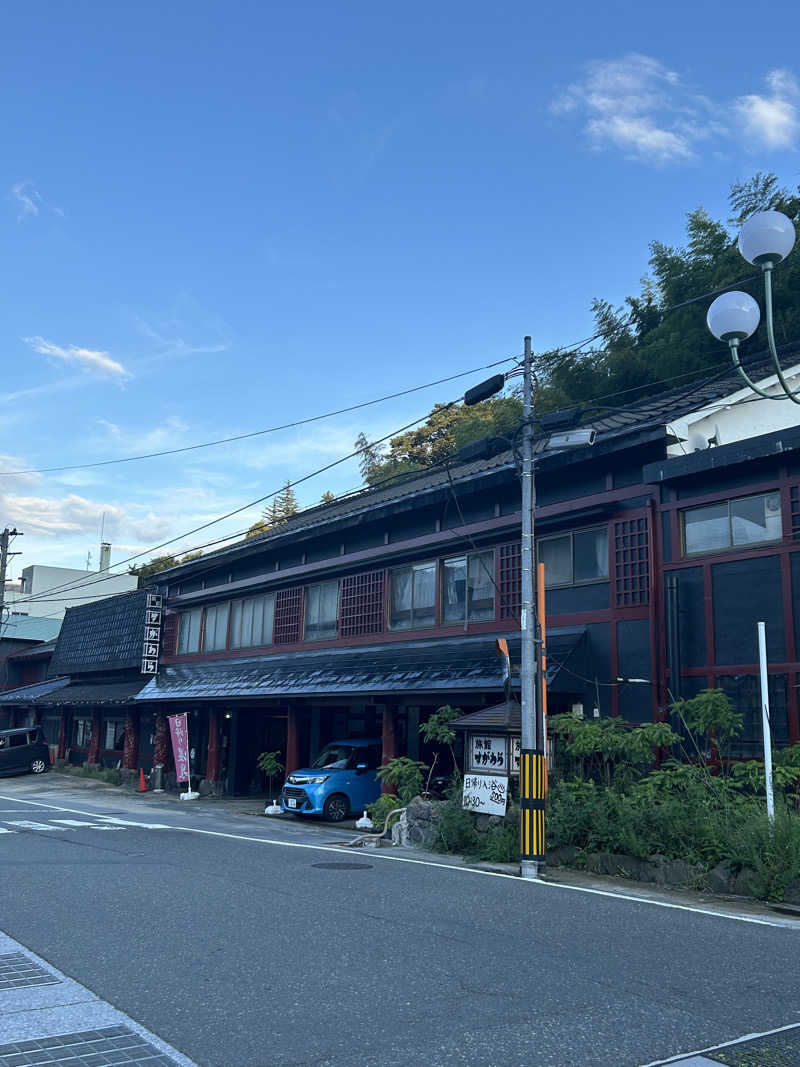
(38, 766)
(336, 808)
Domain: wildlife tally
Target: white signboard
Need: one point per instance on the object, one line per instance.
(485, 793)
(516, 744)
(487, 752)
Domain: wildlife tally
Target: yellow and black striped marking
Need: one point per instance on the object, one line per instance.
(532, 791)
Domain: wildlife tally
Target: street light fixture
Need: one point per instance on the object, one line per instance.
(766, 239)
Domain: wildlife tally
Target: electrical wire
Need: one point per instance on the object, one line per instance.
(236, 511)
(257, 433)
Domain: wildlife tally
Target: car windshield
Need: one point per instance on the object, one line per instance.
(333, 758)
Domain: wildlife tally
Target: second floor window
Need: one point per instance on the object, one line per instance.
(322, 611)
(189, 631)
(574, 558)
(750, 520)
(215, 631)
(412, 596)
(468, 588)
(252, 621)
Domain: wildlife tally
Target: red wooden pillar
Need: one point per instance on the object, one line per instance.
(160, 740)
(62, 735)
(388, 741)
(93, 755)
(130, 752)
(292, 741)
(212, 759)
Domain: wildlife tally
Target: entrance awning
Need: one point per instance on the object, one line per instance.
(463, 664)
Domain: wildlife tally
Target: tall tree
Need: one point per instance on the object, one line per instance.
(650, 339)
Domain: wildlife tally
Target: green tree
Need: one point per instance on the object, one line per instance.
(643, 342)
(327, 497)
(447, 428)
(285, 504)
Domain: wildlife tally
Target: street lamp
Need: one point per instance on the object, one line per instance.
(766, 239)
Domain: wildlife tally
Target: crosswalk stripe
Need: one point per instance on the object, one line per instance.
(136, 825)
(91, 825)
(26, 824)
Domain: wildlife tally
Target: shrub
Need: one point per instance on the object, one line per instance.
(381, 807)
(405, 774)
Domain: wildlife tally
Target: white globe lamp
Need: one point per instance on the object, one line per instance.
(733, 316)
(766, 238)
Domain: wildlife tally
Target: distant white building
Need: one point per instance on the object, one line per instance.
(51, 590)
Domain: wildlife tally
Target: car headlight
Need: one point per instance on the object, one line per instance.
(317, 781)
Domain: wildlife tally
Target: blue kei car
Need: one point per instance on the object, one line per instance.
(341, 780)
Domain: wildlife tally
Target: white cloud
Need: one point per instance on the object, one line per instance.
(91, 360)
(28, 198)
(638, 105)
(772, 121)
(30, 201)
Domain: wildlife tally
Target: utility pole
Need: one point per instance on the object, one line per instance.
(4, 557)
(531, 764)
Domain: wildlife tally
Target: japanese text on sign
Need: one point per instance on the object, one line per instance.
(485, 793)
(488, 752)
(179, 731)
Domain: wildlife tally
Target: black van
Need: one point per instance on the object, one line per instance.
(23, 750)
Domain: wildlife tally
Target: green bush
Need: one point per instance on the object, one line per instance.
(380, 808)
(772, 852)
(407, 775)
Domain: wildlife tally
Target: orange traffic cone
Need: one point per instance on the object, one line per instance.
(142, 782)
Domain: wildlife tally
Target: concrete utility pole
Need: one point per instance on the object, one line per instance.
(4, 557)
(532, 764)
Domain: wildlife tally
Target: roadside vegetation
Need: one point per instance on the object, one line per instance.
(660, 792)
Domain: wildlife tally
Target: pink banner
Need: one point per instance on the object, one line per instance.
(179, 732)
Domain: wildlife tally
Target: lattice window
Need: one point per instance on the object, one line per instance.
(510, 583)
(169, 635)
(795, 499)
(632, 559)
(288, 616)
(361, 604)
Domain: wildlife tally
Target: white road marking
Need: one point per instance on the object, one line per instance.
(725, 1044)
(4, 831)
(779, 924)
(91, 825)
(26, 824)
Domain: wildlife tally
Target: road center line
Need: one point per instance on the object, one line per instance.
(781, 925)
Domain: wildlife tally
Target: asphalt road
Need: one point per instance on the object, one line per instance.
(258, 952)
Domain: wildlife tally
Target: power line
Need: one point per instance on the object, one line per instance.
(258, 433)
(235, 511)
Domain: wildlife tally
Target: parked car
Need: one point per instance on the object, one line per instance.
(22, 750)
(341, 780)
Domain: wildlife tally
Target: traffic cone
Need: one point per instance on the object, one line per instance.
(142, 782)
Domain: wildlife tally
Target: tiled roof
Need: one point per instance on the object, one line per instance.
(455, 663)
(28, 694)
(651, 411)
(103, 635)
(59, 691)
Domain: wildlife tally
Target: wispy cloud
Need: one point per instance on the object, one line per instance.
(30, 201)
(772, 121)
(640, 106)
(28, 198)
(91, 360)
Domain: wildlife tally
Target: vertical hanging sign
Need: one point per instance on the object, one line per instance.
(152, 634)
(179, 732)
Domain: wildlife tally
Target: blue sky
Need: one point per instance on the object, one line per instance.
(219, 217)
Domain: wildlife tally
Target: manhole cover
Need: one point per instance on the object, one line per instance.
(343, 866)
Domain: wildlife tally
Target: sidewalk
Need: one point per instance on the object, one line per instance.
(47, 1018)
